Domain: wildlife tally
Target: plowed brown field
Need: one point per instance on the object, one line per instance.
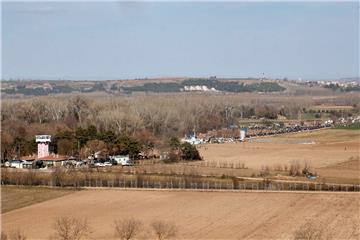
(198, 215)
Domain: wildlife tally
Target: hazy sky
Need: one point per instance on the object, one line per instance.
(134, 40)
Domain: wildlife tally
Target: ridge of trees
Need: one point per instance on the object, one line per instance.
(226, 86)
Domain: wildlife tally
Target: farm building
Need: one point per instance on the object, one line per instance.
(43, 155)
(54, 160)
(29, 158)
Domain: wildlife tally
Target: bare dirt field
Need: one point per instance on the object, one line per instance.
(319, 148)
(344, 172)
(198, 215)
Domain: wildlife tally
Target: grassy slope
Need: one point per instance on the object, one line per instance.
(17, 197)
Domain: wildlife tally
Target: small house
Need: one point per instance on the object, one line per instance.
(54, 160)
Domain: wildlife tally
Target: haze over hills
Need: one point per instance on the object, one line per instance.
(175, 85)
(113, 78)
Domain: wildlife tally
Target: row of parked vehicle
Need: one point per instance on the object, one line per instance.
(122, 160)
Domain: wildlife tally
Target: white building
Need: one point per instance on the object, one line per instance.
(123, 160)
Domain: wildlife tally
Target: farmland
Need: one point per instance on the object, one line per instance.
(197, 215)
(14, 197)
(320, 149)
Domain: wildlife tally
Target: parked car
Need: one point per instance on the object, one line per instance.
(107, 164)
(16, 164)
(99, 164)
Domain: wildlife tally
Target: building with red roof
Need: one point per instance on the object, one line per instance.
(54, 160)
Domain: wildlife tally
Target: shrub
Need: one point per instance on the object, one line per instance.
(294, 169)
(306, 169)
(163, 230)
(189, 152)
(127, 229)
(67, 228)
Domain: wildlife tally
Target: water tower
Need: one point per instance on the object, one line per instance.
(43, 145)
(243, 134)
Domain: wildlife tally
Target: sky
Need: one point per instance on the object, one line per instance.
(122, 40)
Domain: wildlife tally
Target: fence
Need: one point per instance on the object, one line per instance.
(194, 183)
(214, 185)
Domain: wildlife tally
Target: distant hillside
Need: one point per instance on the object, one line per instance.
(209, 85)
(41, 88)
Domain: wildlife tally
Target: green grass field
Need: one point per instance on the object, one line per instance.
(13, 197)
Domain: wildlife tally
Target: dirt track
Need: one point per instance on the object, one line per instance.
(198, 215)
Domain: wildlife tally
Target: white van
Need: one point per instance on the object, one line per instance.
(123, 160)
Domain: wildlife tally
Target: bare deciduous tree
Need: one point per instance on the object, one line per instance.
(163, 230)
(67, 228)
(127, 229)
(94, 146)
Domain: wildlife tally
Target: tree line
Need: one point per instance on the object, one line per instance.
(84, 142)
(143, 122)
(225, 86)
